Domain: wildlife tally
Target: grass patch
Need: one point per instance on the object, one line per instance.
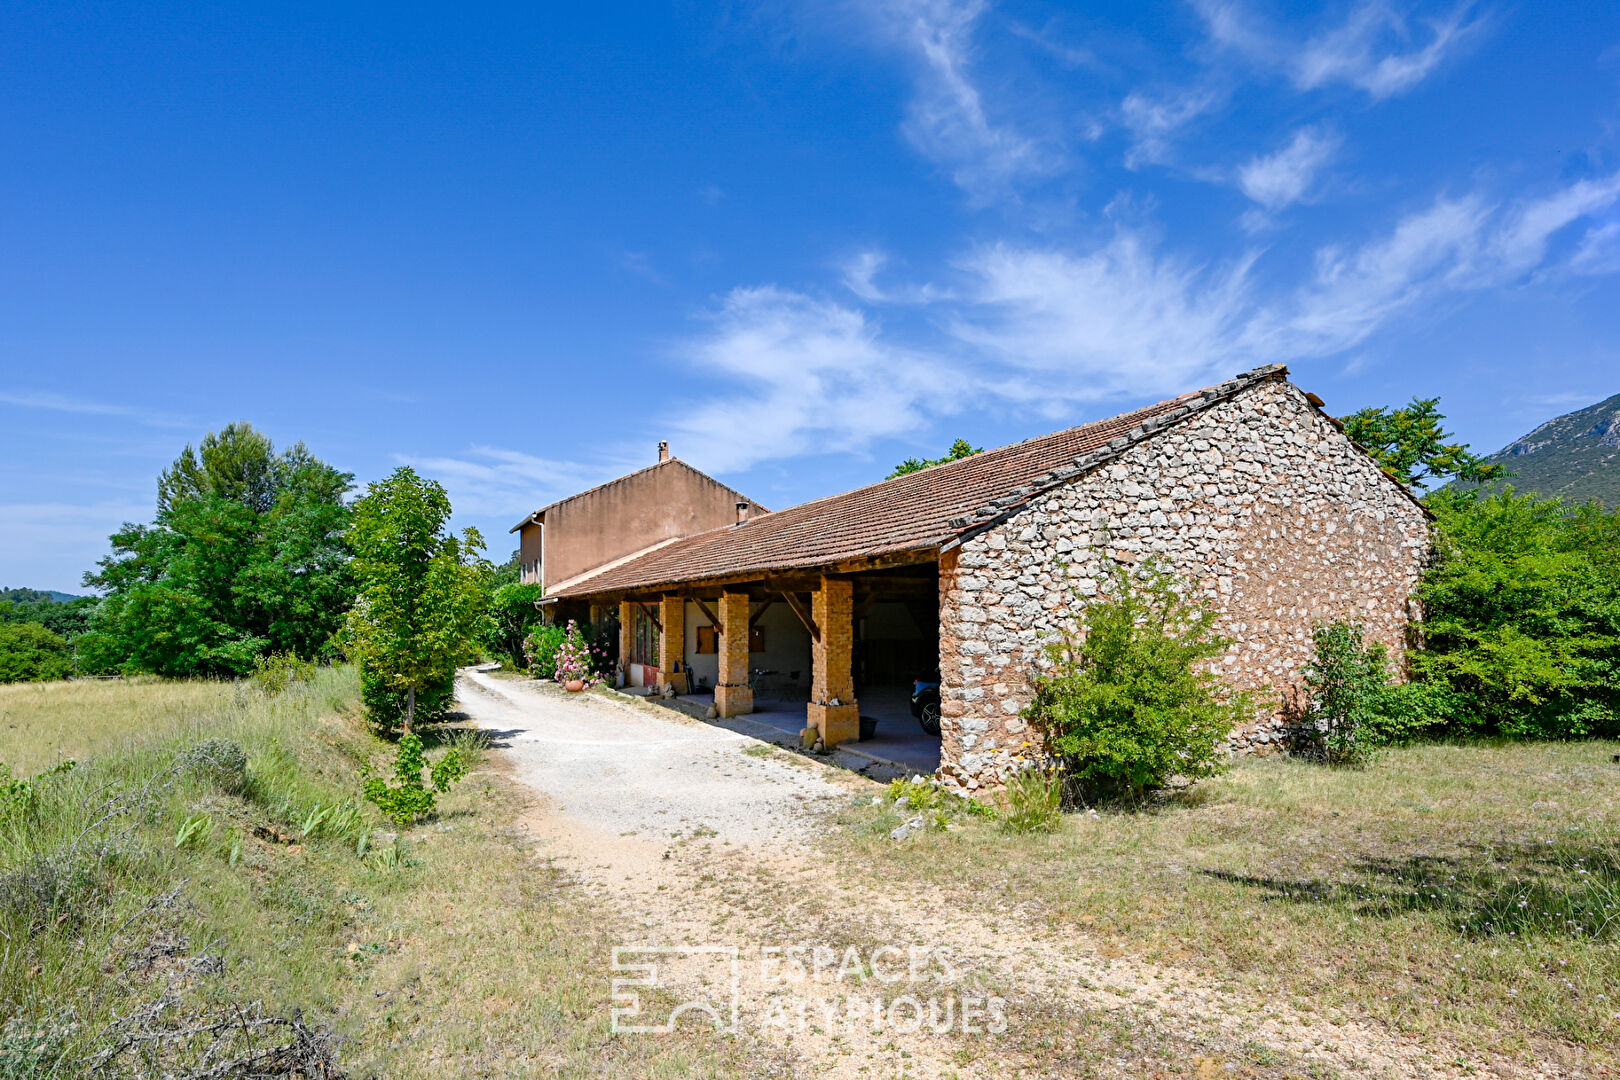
(1468, 889)
(168, 880)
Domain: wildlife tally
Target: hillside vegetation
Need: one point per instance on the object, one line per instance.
(1575, 456)
(206, 881)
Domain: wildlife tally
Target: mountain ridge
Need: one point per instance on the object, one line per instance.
(1575, 456)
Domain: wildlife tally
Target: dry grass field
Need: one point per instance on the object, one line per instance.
(1472, 891)
(451, 951)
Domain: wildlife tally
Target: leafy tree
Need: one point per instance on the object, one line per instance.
(246, 555)
(511, 614)
(236, 463)
(420, 610)
(29, 652)
(298, 585)
(959, 449)
(1410, 443)
(1522, 605)
(68, 619)
(1345, 680)
(1125, 702)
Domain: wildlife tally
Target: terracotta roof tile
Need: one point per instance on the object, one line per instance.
(918, 511)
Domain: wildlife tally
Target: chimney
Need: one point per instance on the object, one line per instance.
(742, 511)
(663, 450)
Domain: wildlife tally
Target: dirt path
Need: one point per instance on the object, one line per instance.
(703, 837)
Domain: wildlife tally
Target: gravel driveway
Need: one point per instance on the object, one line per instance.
(625, 768)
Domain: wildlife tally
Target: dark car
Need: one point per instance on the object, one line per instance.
(925, 701)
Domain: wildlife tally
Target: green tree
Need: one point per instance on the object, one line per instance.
(1522, 615)
(246, 555)
(959, 449)
(420, 610)
(1125, 701)
(29, 652)
(1411, 443)
(236, 463)
(512, 614)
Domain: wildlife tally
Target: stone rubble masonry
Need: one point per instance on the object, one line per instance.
(1257, 501)
(671, 635)
(832, 609)
(733, 696)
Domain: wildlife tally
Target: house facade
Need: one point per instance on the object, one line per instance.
(1247, 491)
(563, 543)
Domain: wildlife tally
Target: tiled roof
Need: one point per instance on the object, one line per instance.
(918, 511)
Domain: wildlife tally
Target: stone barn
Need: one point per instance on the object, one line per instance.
(1247, 491)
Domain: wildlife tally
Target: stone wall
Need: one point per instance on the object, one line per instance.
(1257, 501)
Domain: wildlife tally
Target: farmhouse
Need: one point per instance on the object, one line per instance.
(1246, 490)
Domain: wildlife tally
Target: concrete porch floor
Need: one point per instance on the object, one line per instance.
(900, 741)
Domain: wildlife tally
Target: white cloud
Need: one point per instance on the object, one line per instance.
(947, 119)
(1155, 121)
(489, 480)
(860, 277)
(794, 376)
(1035, 329)
(1599, 252)
(1118, 320)
(30, 399)
(1372, 49)
(1276, 180)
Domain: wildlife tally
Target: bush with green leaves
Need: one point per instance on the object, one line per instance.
(540, 650)
(1033, 801)
(1345, 682)
(385, 705)
(511, 615)
(1125, 700)
(1522, 617)
(275, 673)
(410, 799)
(580, 658)
(31, 653)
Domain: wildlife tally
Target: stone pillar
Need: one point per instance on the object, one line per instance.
(627, 636)
(733, 695)
(832, 679)
(672, 639)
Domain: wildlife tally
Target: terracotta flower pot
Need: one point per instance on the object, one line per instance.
(574, 686)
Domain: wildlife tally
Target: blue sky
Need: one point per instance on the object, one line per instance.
(517, 247)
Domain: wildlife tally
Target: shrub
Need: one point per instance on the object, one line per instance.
(1522, 611)
(220, 762)
(275, 673)
(540, 650)
(1033, 801)
(577, 657)
(1123, 703)
(511, 612)
(410, 799)
(385, 706)
(1346, 680)
(29, 652)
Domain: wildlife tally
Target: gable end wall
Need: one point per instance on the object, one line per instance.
(1265, 508)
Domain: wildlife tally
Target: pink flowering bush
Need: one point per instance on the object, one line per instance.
(577, 658)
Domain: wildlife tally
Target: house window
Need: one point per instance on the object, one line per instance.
(707, 640)
(644, 642)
